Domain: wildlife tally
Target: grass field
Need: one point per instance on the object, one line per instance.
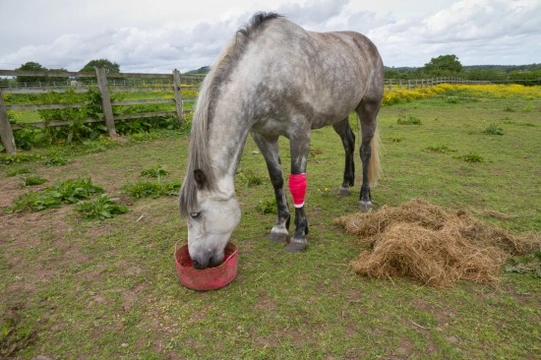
(83, 289)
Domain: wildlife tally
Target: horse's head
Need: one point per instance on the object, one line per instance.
(212, 216)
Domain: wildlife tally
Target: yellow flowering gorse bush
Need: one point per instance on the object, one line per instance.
(494, 91)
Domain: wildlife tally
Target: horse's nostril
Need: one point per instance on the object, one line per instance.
(197, 264)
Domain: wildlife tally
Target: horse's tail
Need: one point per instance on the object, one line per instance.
(374, 166)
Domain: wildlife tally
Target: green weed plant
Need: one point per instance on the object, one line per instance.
(154, 172)
(62, 192)
(154, 189)
(101, 208)
(32, 180)
(249, 178)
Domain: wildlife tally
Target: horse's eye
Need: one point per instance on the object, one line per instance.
(195, 215)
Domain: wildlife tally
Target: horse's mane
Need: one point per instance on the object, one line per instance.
(204, 110)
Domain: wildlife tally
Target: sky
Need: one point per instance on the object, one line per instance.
(161, 35)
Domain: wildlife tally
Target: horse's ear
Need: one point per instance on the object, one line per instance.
(200, 178)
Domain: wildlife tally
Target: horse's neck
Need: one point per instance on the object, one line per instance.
(226, 143)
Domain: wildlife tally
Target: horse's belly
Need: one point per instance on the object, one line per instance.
(333, 113)
(271, 127)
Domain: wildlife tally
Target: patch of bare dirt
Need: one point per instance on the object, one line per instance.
(10, 188)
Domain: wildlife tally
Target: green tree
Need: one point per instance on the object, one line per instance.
(31, 66)
(525, 77)
(110, 67)
(485, 74)
(58, 79)
(443, 65)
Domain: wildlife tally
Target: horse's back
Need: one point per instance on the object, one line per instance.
(289, 72)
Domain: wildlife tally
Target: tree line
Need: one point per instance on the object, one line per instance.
(109, 66)
(450, 66)
(441, 66)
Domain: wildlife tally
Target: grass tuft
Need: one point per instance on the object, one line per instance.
(493, 129)
(440, 149)
(471, 158)
(409, 120)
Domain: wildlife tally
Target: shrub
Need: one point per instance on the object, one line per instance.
(29, 137)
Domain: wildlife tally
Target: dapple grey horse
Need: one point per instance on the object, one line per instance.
(276, 79)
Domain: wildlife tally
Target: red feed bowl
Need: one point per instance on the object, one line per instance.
(210, 278)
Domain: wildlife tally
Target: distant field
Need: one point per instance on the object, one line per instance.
(108, 289)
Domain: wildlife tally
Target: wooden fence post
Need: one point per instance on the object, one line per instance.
(107, 108)
(178, 97)
(6, 133)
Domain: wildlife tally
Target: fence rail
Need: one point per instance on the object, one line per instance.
(106, 83)
(48, 79)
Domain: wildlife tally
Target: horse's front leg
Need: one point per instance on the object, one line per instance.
(299, 147)
(270, 151)
(297, 186)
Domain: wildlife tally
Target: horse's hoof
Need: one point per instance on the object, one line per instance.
(365, 206)
(278, 235)
(297, 245)
(344, 191)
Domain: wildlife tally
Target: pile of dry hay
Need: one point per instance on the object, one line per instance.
(435, 247)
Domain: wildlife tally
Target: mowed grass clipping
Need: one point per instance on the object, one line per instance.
(109, 290)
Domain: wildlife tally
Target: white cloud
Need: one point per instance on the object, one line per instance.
(478, 32)
(169, 34)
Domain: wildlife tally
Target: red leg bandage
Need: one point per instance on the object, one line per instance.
(297, 186)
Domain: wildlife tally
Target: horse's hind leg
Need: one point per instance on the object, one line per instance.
(269, 149)
(348, 140)
(367, 112)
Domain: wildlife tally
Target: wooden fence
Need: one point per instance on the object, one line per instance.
(421, 83)
(103, 80)
(128, 82)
